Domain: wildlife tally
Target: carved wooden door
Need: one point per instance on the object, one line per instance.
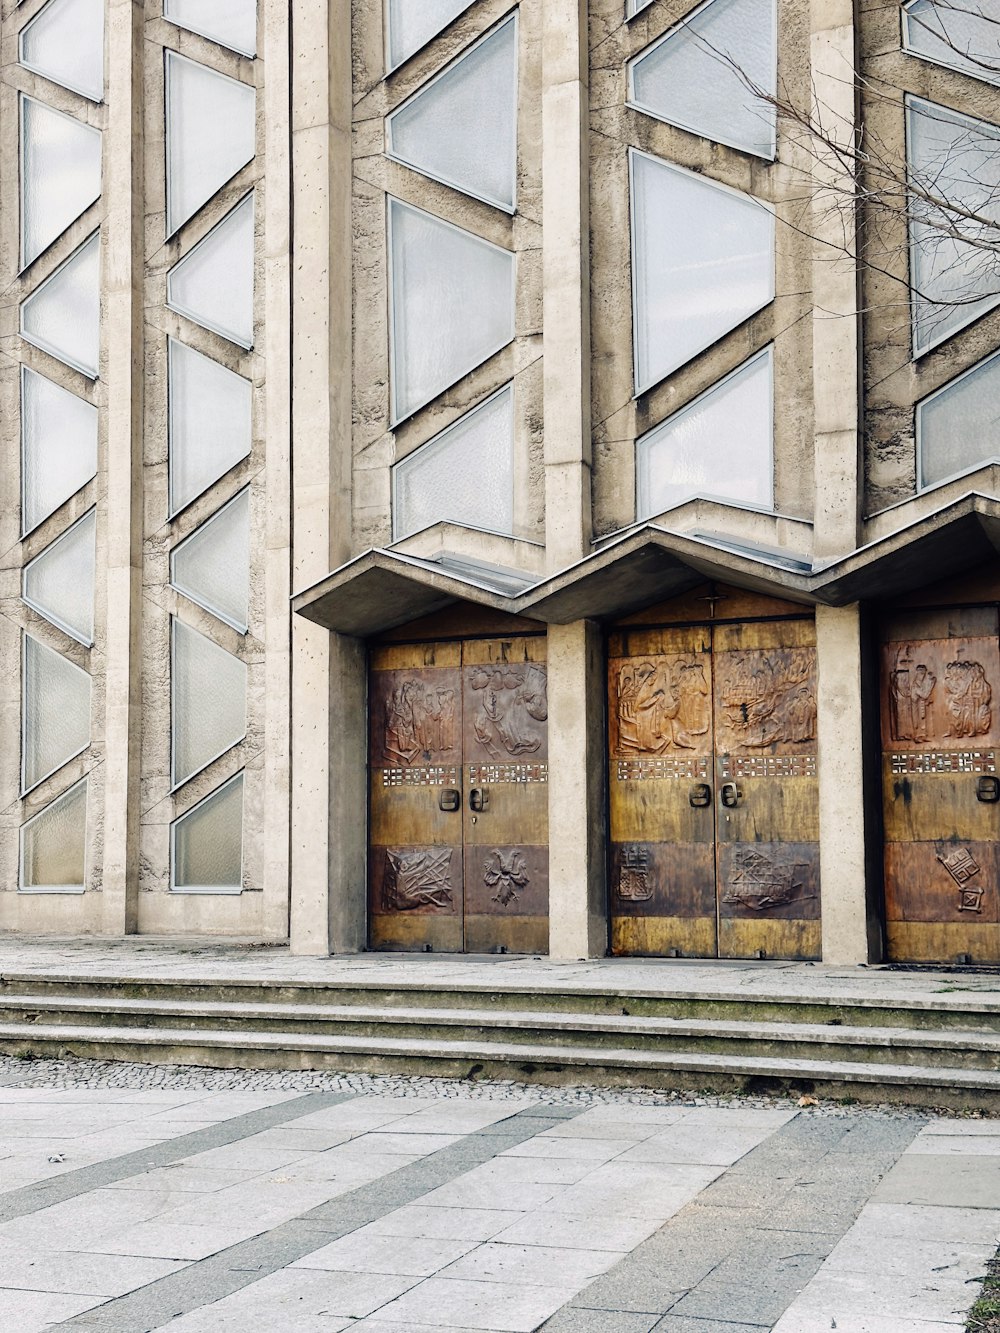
(941, 785)
(714, 825)
(458, 831)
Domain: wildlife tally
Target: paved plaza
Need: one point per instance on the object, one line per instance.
(135, 1198)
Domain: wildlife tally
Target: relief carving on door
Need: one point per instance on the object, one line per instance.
(415, 879)
(962, 866)
(635, 881)
(511, 706)
(507, 873)
(758, 882)
(966, 695)
(768, 697)
(419, 722)
(662, 704)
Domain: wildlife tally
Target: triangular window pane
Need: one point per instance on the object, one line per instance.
(633, 7)
(412, 24)
(58, 446)
(54, 845)
(212, 566)
(706, 75)
(716, 271)
(954, 170)
(208, 702)
(207, 843)
(461, 128)
(213, 284)
(63, 315)
(962, 34)
(60, 174)
(56, 715)
(719, 446)
(59, 583)
(231, 23)
(211, 131)
(64, 42)
(464, 475)
(452, 304)
(210, 415)
(958, 428)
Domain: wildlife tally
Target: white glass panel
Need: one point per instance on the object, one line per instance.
(702, 262)
(958, 428)
(210, 134)
(65, 43)
(954, 165)
(210, 408)
(461, 128)
(231, 23)
(718, 446)
(963, 34)
(63, 315)
(464, 475)
(633, 7)
(60, 174)
(212, 566)
(54, 845)
(59, 583)
(213, 285)
(412, 23)
(208, 701)
(56, 715)
(58, 446)
(705, 75)
(452, 304)
(207, 853)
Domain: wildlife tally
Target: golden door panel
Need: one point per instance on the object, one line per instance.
(941, 694)
(660, 879)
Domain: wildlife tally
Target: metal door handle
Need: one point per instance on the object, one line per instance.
(479, 799)
(700, 795)
(988, 790)
(450, 799)
(730, 795)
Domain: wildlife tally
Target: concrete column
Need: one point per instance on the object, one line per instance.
(578, 923)
(566, 269)
(122, 259)
(842, 832)
(836, 301)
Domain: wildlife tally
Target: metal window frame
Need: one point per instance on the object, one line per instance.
(186, 311)
(391, 68)
(88, 93)
(921, 403)
(174, 508)
(175, 783)
(633, 8)
(241, 627)
(91, 373)
(25, 372)
(25, 788)
(905, 45)
(24, 263)
(211, 37)
(224, 890)
(89, 517)
(76, 889)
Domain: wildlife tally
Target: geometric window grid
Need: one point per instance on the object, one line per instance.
(64, 42)
(461, 127)
(231, 23)
(58, 447)
(213, 283)
(208, 702)
(63, 315)
(953, 163)
(686, 79)
(463, 475)
(59, 583)
(55, 721)
(963, 35)
(209, 422)
(410, 24)
(53, 854)
(714, 272)
(212, 566)
(60, 174)
(718, 447)
(206, 843)
(958, 427)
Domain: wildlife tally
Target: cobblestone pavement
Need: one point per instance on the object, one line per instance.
(135, 1198)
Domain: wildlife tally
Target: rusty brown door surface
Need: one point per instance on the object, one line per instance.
(940, 783)
(713, 786)
(458, 816)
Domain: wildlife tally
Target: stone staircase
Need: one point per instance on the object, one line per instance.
(916, 1051)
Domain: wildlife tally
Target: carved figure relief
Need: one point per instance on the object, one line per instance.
(507, 873)
(759, 882)
(769, 697)
(662, 704)
(513, 702)
(417, 879)
(635, 883)
(966, 698)
(419, 722)
(962, 866)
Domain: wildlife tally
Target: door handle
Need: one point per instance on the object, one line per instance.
(730, 795)
(479, 799)
(988, 790)
(450, 799)
(700, 795)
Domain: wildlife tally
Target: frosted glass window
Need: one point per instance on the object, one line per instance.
(962, 34)
(231, 23)
(56, 713)
(702, 263)
(958, 428)
(954, 163)
(65, 43)
(461, 128)
(207, 843)
(58, 446)
(213, 284)
(210, 413)
(212, 566)
(59, 583)
(452, 304)
(633, 7)
(412, 23)
(60, 174)
(54, 845)
(208, 701)
(686, 79)
(464, 475)
(63, 315)
(210, 134)
(719, 446)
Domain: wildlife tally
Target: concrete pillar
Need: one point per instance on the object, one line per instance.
(578, 922)
(566, 269)
(847, 929)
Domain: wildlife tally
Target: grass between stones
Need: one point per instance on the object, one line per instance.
(984, 1317)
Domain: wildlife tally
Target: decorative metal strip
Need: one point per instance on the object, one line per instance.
(491, 775)
(693, 768)
(945, 761)
(768, 766)
(438, 776)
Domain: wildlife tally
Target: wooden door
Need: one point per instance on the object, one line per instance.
(940, 783)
